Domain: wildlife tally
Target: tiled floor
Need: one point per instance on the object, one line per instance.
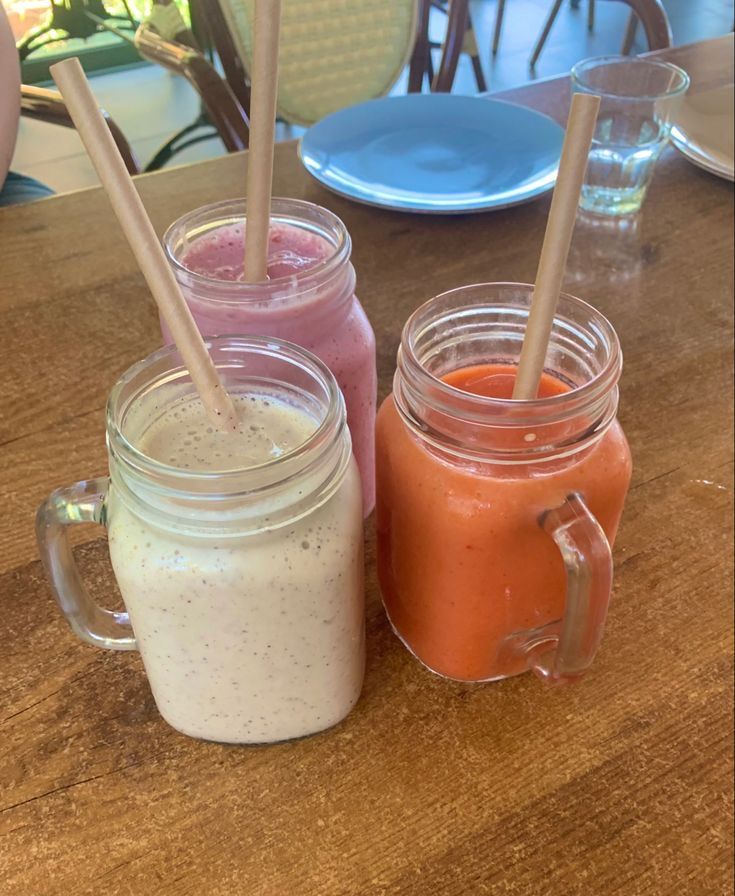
(150, 104)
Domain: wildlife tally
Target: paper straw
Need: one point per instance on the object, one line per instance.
(126, 203)
(264, 85)
(555, 249)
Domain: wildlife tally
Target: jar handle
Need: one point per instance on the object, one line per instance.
(589, 570)
(83, 502)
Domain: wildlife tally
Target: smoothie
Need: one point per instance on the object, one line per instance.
(220, 253)
(463, 561)
(308, 299)
(246, 638)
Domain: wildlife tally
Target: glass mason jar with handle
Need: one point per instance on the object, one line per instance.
(241, 573)
(495, 518)
(309, 298)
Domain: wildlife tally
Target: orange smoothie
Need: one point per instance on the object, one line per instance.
(463, 561)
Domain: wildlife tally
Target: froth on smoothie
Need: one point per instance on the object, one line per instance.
(269, 428)
(220, 253)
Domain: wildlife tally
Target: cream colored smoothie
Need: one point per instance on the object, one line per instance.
(246, 637)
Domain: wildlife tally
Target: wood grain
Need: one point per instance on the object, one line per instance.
(620, 785)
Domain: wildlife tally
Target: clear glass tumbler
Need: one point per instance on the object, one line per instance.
(638, 99)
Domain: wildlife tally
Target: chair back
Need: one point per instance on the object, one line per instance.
(652, 16)
(333, 53)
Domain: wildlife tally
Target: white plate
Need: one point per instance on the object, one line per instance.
(703, 130)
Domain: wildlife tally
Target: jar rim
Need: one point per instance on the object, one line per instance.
(328, 431)
(584, 66)
(294, 211)
(506, 411)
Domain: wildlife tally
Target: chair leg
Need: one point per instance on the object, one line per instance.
(458, 11)
(545, 33)
(591, 15)
(168, 151)
(180, 141)
(479, 74)
(630, 30)
(499, 12)
(417, 67)
(469, 46)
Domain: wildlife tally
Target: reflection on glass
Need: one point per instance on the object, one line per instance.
(604, 249)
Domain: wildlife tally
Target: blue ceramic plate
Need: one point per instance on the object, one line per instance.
(435, 153)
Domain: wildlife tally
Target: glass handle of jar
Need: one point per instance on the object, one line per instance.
(589, 569)
(83, 502)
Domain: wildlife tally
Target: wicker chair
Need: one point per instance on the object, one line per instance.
(47, 105)
(333, 53)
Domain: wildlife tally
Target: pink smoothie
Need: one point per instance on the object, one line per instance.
(219, 254)
(305, 300)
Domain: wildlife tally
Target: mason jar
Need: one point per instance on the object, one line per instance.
(242, 586)
(309, 298)
(496, 517)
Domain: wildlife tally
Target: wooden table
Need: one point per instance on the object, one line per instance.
(620, 785)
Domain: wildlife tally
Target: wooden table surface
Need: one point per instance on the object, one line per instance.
(619, 785)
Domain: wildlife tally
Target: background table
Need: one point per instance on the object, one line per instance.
(619, 785)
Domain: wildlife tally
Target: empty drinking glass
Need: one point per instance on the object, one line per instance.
(638, 99)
